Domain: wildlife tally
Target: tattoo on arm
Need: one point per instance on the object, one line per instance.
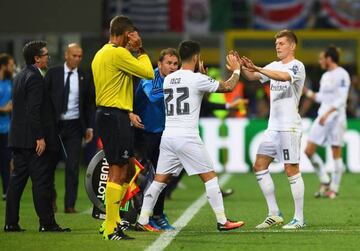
(228, 85)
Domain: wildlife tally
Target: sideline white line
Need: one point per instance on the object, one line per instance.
(283, 231)
(166, 238)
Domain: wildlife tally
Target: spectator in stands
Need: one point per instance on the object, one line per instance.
(7, 67)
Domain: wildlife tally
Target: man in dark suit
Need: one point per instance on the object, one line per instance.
(72, 94)
(33, 141)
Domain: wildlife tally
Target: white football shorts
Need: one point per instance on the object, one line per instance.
(331, 133)
(283, 146)
(186, 152)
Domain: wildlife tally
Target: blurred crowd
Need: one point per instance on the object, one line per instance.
(203, 16)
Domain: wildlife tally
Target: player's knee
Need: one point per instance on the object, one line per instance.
(205, 177)
(258, 167)
(310, 149)
(288, 172)
(336, 152)
(291, 169)
(309, 153)
(161, 178)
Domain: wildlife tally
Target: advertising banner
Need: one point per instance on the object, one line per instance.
(232, 144)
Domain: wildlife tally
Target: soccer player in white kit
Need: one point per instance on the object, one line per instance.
(282, 137)
(330, 125)
(181, 146)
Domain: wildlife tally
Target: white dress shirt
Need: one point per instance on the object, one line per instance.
(73, 103)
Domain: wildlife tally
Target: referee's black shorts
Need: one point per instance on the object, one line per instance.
(116, 134)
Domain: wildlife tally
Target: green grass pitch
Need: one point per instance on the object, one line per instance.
(332, 224)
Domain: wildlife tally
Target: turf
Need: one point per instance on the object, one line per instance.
(332, 224)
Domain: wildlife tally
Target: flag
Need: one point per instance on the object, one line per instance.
(219, 21)
(147, 16)
(196, 16)
(99, 144)
(342, 13)
(281, 14)
(176, 10)
(133, 188)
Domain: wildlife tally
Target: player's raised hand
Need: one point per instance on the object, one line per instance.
(202, 69)
(232, 63)
(249, 65)
(236, 54)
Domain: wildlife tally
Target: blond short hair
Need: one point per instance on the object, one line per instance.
(288, 34)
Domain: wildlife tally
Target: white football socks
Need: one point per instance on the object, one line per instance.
(268, 189)
(320, 170)
(215, 199)
(336, 175)
(297, 190)
(150, 198)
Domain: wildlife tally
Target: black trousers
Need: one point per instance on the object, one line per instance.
(151, 147)
(5, 157)
(28, 164)
(71, 136)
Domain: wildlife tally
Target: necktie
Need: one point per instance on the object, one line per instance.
(66, 93)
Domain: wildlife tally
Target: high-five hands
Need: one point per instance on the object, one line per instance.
(249, 65)
(202, 69)
(232, 61)
(236, 54)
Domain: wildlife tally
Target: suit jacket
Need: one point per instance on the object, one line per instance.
(55, 80)
(33, 114)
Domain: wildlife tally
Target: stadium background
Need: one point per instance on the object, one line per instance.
(247, 26)
(219, 25)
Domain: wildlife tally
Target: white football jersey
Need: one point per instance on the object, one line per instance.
(285, 96)
(183, 93)
(333, 92)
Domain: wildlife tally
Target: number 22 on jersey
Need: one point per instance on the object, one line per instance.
(175, 101)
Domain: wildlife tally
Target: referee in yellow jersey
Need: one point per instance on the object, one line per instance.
(113, 69)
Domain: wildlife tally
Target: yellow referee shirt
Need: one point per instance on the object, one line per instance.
(113, 68)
